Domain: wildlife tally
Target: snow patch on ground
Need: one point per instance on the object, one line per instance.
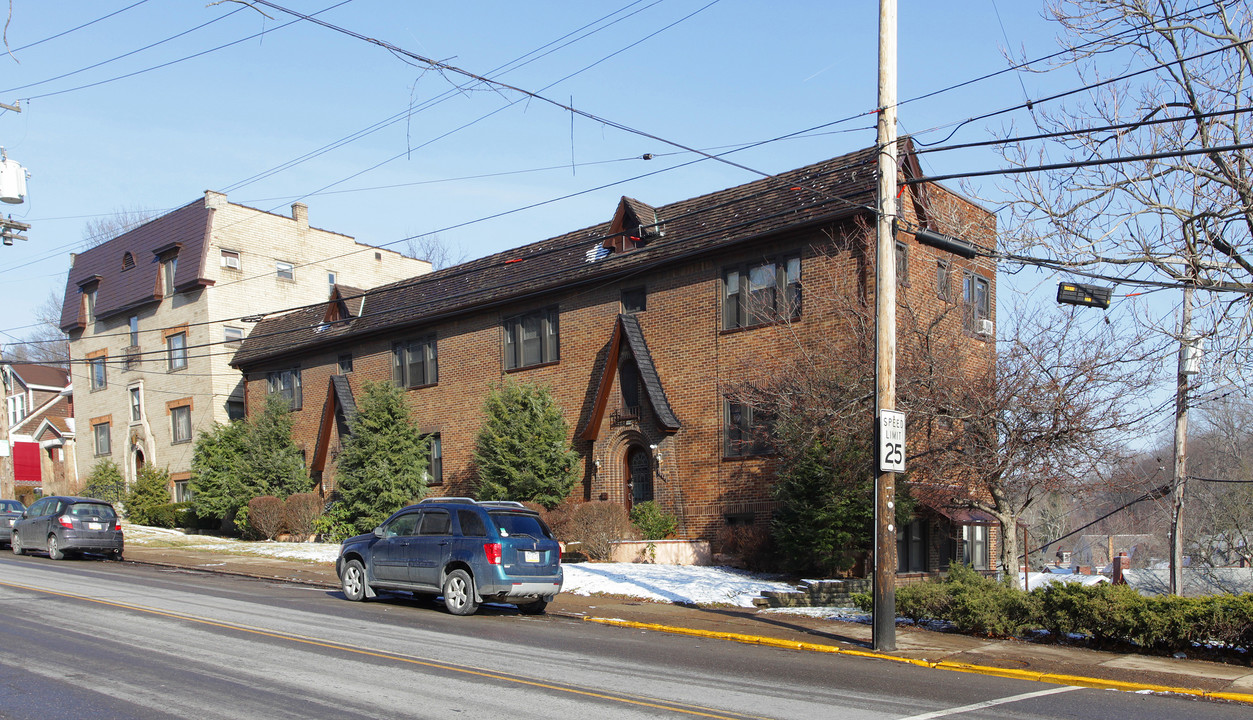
(687, 584)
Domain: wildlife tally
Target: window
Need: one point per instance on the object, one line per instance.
(230, 259)
(176, 351)
(415, 363)
(977, 296)
(99, 376)
(761, 293)
(17, 409)
(902, 264)
(435, 468)
(629, 384)
(944, 280)
(287, 384)
(169, 268)
(746, 430)
(330, 282)
(235, 410)
(134, 330)
(89, 303)
(911, 548)
(285, 270)
(345, 363)
(435, 522)
(182, 491)
(137, 404)
(975, 546)
(101, 433)
(471, 524)
(232, 335)
(634, 300)
(128, 262)
(531, 339)
(180, 424)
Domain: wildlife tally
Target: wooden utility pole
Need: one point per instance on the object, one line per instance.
(1178, 487)
(884, 614)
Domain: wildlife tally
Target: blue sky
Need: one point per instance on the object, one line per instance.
(703, 74)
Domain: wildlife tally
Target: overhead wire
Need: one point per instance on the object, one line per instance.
(77, 28)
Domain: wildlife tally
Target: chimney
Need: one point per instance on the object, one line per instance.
(300, 213)
(214, 200)
(1121, 563)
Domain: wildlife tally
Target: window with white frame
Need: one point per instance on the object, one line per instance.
(100, 432)
(176, 351)
(16, 408)
(977, 297)
(180, 424)
(285, 270)
(232, 335)
(435, 468)
(135, 395)
(975, 546)
(169, 270)
(99, 374)
(230, 260)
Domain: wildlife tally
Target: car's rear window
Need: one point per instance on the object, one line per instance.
(97, 510)
(516, 523)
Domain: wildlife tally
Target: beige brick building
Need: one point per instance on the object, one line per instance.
(155, 315)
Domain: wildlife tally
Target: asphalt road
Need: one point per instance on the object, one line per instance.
(87, 638)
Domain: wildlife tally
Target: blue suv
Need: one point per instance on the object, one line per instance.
(469, 551)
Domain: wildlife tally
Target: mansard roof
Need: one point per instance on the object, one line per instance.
(807, 196)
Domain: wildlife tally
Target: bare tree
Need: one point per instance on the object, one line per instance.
(434, 250)
(106, 227)
(1220, 485)
(1170, 90)
(996, 432)
(46, 344)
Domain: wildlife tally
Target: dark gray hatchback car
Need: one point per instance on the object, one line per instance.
(62, 525)
(468, 551)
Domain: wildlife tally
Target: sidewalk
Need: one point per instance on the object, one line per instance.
(1009, 658)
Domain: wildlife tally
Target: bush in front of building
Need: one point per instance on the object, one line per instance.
(173, 515)
(652, 521)
(523, 450)
(217, 487)
(150, 491)
(265, 516)
(105, 483)
(591, 528)
(382, 466)
(300, 514)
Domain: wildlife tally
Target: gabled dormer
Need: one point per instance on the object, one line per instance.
(345, 303)
(634, 225)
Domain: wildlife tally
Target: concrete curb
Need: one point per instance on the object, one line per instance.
(1054, 678)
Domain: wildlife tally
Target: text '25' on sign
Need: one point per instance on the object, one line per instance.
(891, 441)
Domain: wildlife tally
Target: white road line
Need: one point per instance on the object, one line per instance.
(989, 703)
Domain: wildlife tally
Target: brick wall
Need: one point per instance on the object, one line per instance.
(697, 361)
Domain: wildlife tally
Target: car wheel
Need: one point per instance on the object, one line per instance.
(534, 608)
(459, 593)
(116, 555)
(16, 545)
(54, 548)
(352, 580)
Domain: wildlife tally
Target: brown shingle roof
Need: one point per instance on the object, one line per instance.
(122, 288)
(813, 194)
(46, 375)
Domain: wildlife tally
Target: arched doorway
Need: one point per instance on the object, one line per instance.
(639, 462)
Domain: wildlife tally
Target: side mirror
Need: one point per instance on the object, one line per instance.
(378, 532)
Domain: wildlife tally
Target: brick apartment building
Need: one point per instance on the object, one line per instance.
(642, 326)
(36, 432)
(155, 314)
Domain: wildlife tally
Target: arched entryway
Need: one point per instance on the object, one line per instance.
(139, 460)
(639, 465)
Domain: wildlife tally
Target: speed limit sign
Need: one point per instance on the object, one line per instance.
(891, 441)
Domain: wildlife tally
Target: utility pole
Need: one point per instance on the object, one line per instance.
(884, 594)
(1178, 487)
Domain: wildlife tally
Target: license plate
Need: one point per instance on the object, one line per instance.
(94, 526)
(530, 556)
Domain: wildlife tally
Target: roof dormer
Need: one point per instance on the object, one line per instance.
(634, 225)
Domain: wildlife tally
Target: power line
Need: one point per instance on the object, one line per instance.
(80, 27)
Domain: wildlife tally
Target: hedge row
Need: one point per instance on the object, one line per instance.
(1108, 614)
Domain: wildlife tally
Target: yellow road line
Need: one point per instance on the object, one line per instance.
(639, 700)
(1058, 679)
